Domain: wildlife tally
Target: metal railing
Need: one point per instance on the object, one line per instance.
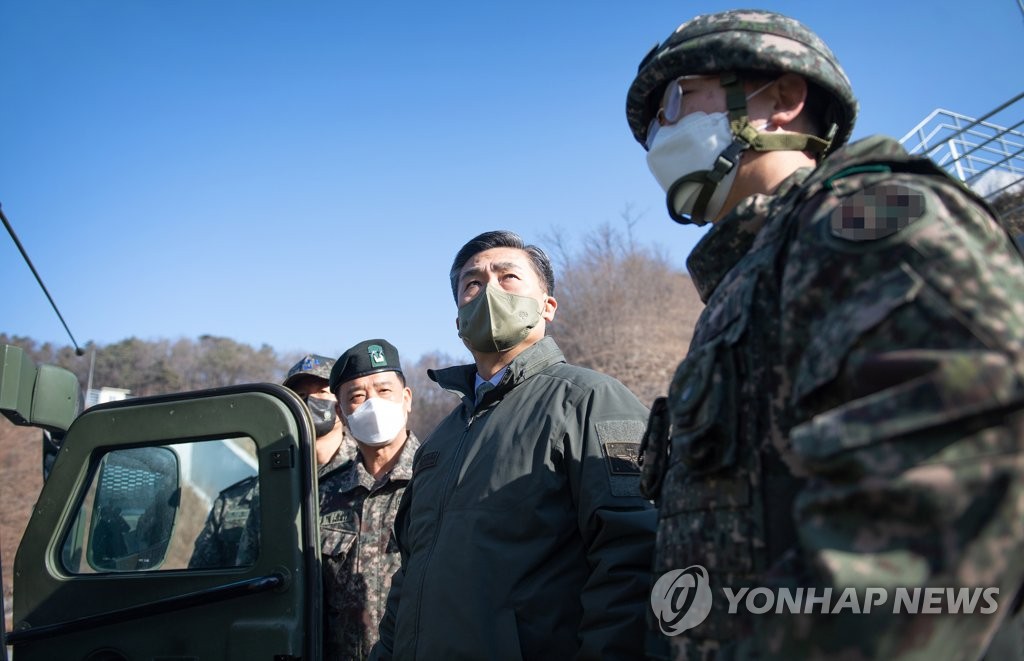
(985, 153)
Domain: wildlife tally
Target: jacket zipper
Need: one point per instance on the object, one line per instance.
(445, 497)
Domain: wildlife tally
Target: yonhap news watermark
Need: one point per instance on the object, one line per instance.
(682, 599)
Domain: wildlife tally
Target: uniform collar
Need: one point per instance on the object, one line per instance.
(732, 237)
(344, 454)
(354, 473)
(460, 379)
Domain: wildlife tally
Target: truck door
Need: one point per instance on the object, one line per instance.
(181, 528)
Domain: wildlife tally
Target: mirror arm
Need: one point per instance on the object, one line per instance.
(200, 598)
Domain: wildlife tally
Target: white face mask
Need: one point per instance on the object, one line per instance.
(692, 145)
(377, 421)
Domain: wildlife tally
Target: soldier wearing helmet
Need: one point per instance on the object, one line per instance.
(849, 414)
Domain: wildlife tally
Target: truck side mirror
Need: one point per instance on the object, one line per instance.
(44, 396)
(135, 498)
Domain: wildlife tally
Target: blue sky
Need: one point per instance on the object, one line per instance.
(302, 173)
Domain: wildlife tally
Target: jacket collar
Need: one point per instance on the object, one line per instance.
(732, 237)
(459, 379)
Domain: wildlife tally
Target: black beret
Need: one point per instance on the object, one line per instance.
(367, 357)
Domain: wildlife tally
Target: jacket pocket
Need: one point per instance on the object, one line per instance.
(951, 393)
(706, 513)
(899, 393)
(338, 532)
(834, 335)
(506, 643)
(706, 509)
(703, 402)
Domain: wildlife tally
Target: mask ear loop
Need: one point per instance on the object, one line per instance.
(759, 90)
(725, 161)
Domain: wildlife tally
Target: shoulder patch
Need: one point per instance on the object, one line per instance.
(425, 461)
(620, 445)
(623, 458)
(877, 212)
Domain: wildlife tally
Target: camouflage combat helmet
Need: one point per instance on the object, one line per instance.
(737, 42)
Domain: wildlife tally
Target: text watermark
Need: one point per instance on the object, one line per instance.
(682, 598)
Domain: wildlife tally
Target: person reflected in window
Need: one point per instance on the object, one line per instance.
(231, 536)
(108, 538)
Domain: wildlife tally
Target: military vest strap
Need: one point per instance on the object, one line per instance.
(654, 446)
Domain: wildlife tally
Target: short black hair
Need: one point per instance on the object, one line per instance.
(502, 239)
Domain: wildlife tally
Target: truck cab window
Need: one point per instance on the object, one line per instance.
(167, 507)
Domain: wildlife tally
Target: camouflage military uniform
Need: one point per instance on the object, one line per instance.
(217, 544)
(248, 546)
(357, 515)
(848, 414)
(848, 417)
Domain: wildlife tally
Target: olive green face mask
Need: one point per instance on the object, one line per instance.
(497, 320)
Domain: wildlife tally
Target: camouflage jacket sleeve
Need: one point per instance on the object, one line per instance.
(249, 541)
(901, 338)
(209, 548)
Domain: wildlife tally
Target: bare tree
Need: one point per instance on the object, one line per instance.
(153, 367)
(430, 402)
(623, 309)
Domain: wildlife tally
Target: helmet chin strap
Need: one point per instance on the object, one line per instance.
(739, 124)
(709, 180)
(745, 136)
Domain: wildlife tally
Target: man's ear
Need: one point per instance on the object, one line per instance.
(789, 94)
(550, 305)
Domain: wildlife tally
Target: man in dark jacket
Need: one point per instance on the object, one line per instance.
(523, 533)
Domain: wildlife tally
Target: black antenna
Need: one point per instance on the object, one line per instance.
(78, 350)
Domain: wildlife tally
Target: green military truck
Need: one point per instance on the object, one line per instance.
(103, 570)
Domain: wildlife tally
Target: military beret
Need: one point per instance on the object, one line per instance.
(313, 365)
(367, 357)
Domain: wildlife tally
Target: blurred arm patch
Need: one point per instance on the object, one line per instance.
(620, 444)
(622, 458)
(877, 212)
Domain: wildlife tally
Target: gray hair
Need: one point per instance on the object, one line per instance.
(502, 239)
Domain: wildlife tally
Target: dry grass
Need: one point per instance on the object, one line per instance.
(21, 478)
